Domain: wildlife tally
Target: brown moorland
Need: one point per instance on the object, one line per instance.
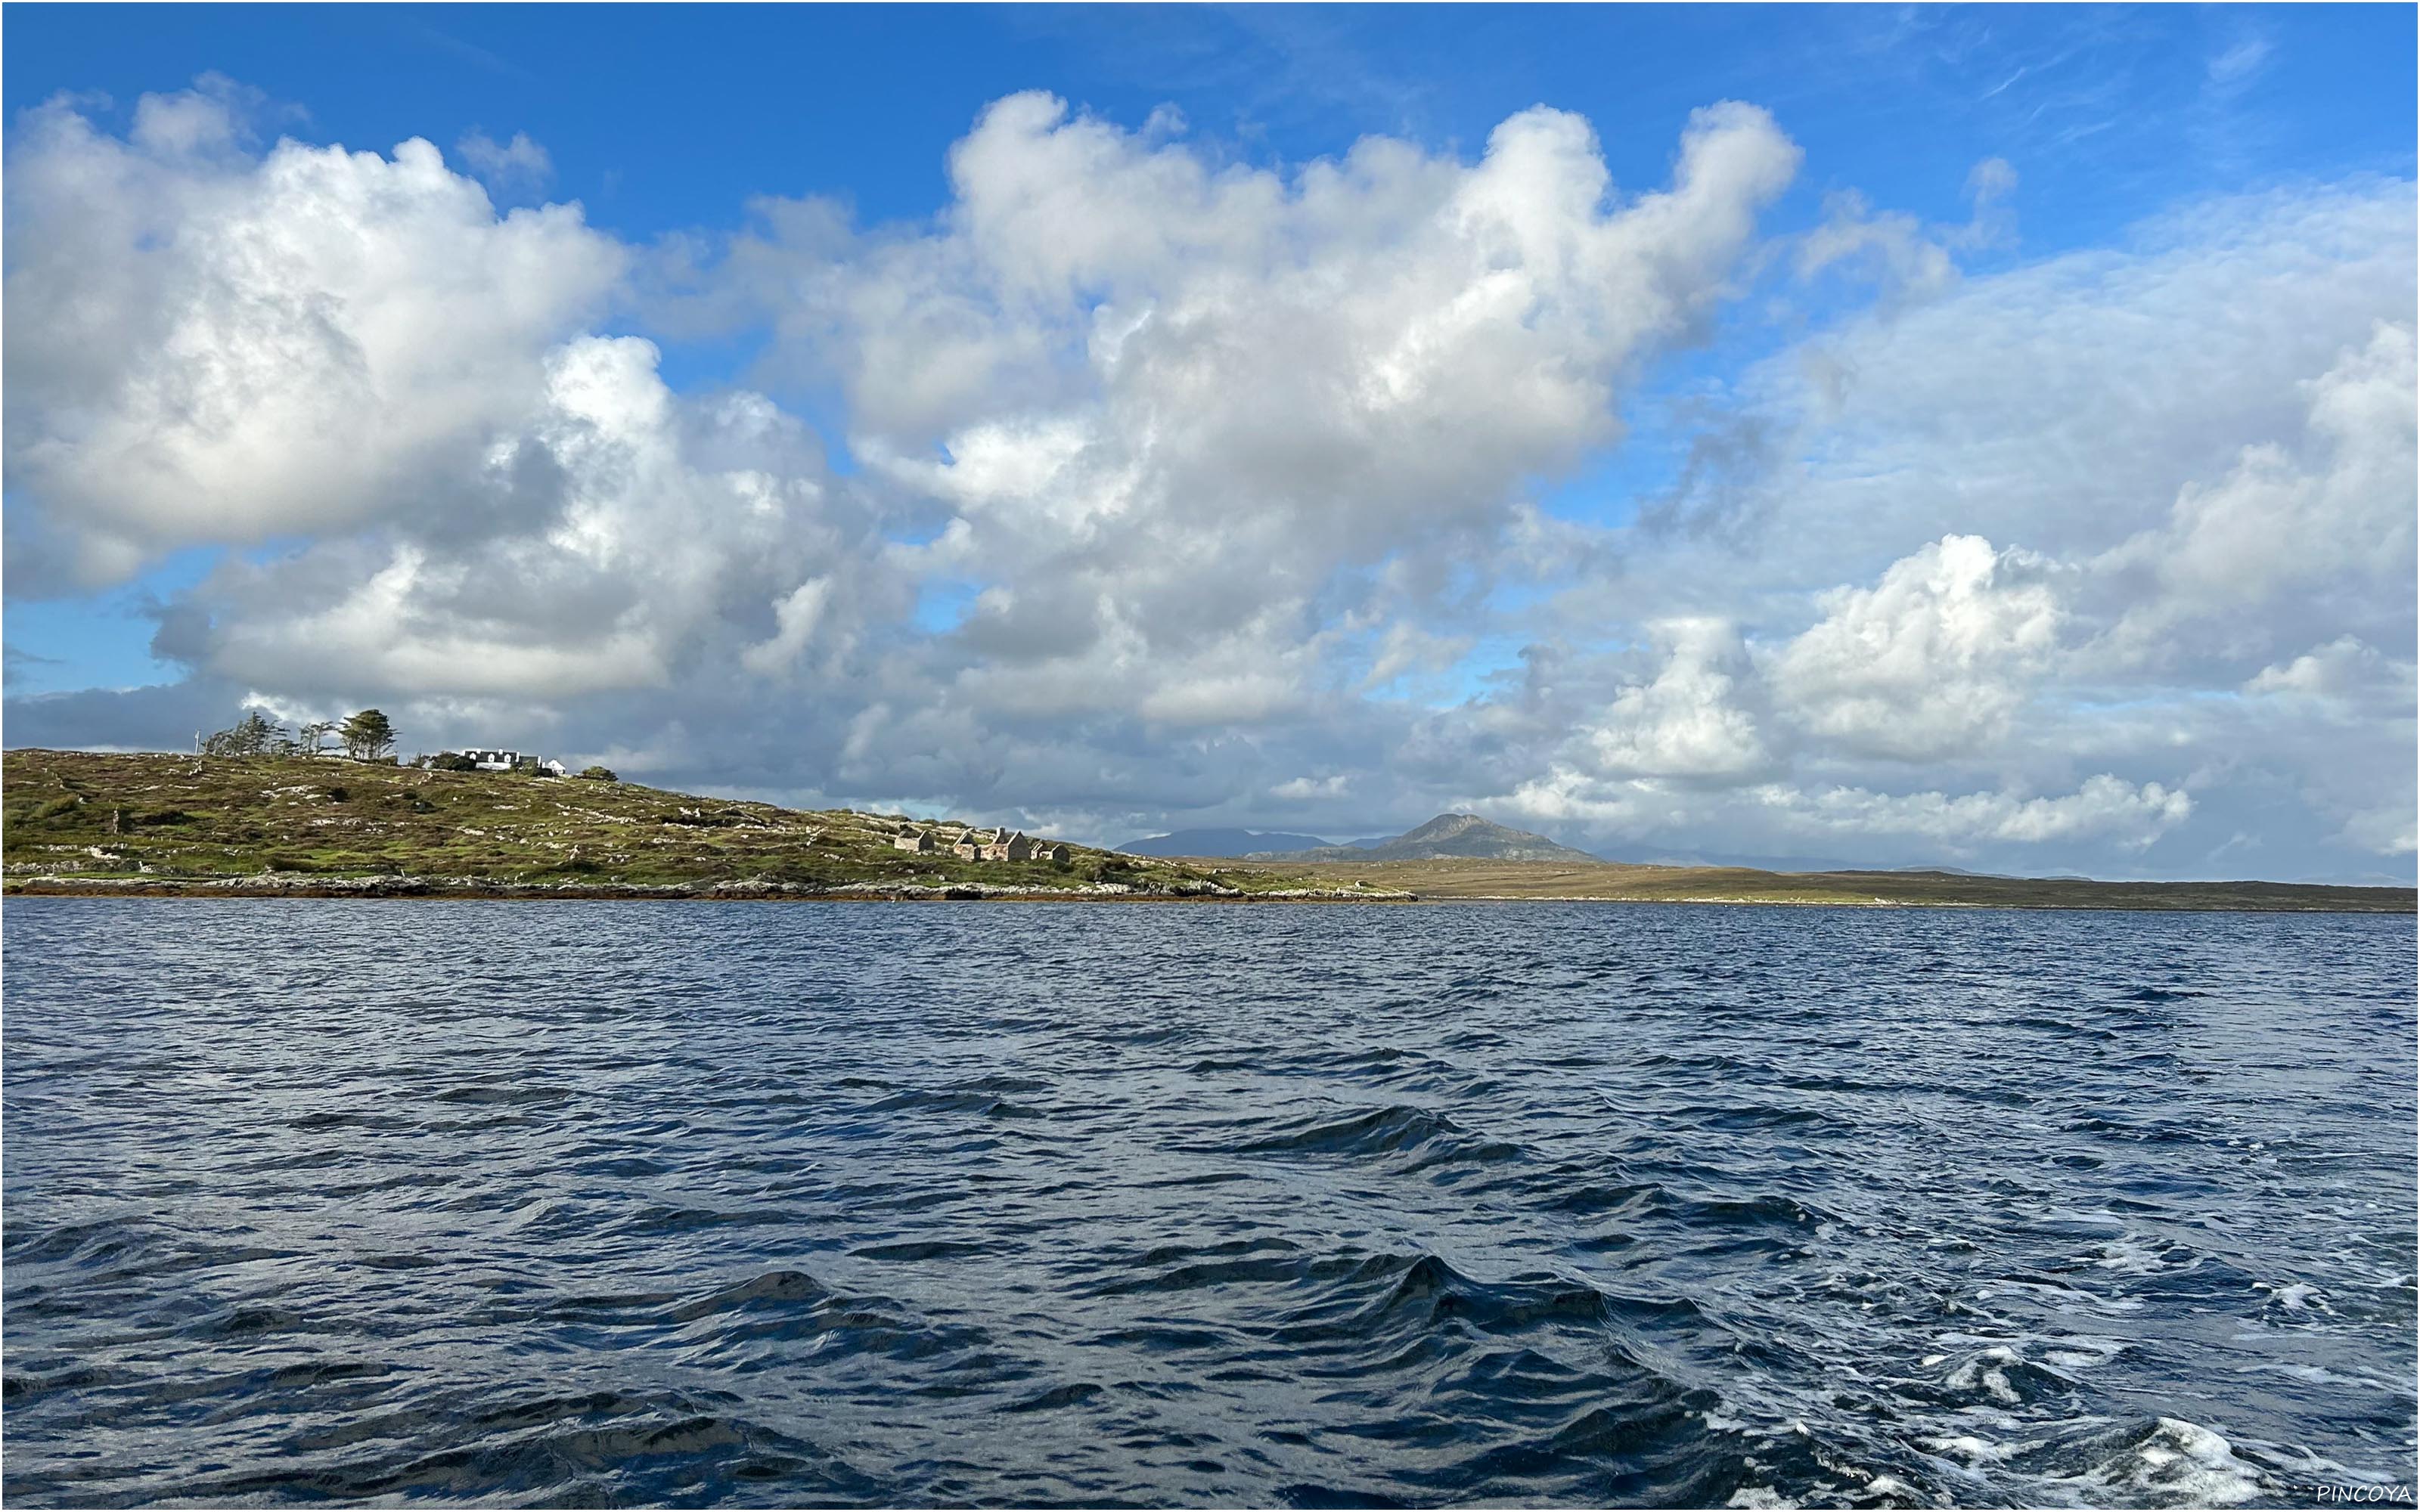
(1457, 878)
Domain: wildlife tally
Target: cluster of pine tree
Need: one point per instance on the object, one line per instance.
(366, 736)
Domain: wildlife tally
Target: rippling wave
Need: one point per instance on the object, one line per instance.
(845, 1204)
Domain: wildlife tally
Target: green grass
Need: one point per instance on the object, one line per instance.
(165, 819)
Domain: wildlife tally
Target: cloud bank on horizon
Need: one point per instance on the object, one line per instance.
(1142, 486)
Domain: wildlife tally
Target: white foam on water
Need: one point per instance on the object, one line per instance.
(1877, 1483)
(1758, 1496)
(2063, 1299)
(1974, 1450)
(2083, 1351)
(2296, 1296)
(2132, 1255)
(2183, 1464)
(2309, 1468)
(1985, 1370)
(2062, 1351)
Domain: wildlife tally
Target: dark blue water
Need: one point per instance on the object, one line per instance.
(684, 1203)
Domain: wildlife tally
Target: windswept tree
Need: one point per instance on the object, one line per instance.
(368, 736)
(313, 737)
(255, 734)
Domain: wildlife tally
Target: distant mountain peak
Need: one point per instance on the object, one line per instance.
(1226, 843)
(1447, 837)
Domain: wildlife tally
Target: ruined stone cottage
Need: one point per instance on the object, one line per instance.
(981, 846)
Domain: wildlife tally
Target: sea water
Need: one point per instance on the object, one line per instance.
(896, 1204)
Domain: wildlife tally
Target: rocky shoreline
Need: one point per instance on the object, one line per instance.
(305, 884)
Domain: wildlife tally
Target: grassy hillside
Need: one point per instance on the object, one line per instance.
(106, 821)
(80, 821)
(1708, 884)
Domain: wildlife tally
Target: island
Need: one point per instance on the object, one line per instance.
(150, 824)
(311, 826)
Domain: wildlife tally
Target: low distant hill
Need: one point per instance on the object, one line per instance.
(1784, 864)
(1447, 837)
(1612, 881)
(1220, 842)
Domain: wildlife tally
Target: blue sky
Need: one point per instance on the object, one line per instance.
(2121, 136)
(2115, 111)
(2112, 108)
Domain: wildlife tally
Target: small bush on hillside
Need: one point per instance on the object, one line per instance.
(599, 774)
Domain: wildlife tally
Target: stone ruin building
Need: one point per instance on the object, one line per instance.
(979, 844)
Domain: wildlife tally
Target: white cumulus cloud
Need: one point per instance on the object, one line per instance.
(1930, 661)
(1192, 490)
(1688, 722)
(520, 164)
(208, 347)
